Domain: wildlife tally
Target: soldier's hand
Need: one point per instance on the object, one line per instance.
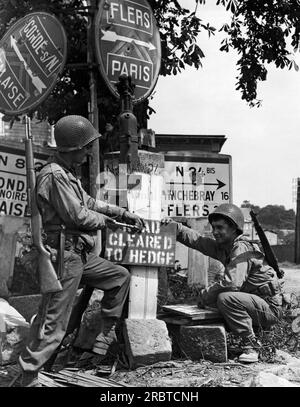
(134, 219)
(167, 221)
(111, 224)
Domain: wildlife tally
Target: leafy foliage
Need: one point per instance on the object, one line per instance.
(261, 32)
(273, 216)
(179, 29)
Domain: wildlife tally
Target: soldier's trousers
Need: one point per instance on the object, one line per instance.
(243, 311)
(55, 309)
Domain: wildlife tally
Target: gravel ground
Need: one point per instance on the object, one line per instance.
(186, 373)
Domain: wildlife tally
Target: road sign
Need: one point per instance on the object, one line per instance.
(128, 43)
(155, 246)
(32, 54)
(13, 184)
(195, 185)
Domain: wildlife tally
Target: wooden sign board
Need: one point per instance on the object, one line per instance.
(155, 246)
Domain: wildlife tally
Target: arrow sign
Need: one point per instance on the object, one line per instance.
(39, 85)
(127, 42)
(113, 37)
(219, 183)
(33, 54)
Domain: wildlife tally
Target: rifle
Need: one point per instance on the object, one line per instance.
(48, 280)
(269, 254)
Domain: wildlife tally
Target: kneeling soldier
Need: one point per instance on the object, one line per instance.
(71, 219)
(249, 294)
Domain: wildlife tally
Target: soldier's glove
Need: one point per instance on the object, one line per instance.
(134, 219)
(167, 221)
(111, 224)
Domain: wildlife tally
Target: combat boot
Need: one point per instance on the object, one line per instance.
(251, 348)
(30, 379)
(103, 342)
(106, 337)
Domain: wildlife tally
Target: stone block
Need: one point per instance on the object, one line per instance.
(264, 379)
(146, 342)
(290, 372)
(204, 342)
(26, 305)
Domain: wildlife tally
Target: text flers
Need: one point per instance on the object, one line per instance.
(128, 43)
(155, 246)
(195, 185)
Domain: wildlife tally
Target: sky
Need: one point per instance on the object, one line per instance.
(264, 142)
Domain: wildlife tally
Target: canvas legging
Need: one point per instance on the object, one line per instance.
(55, 308)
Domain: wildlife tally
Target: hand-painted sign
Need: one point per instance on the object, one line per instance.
(13, 185)
(32, 55)
(155, 246)
(128, 43)
(195, 185)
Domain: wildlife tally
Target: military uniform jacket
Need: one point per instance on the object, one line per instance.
(62, 200)
(245, 266)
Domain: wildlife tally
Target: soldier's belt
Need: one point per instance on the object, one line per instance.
(269, 289)
(59, 237)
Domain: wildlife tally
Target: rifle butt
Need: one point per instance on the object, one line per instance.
(48, 280)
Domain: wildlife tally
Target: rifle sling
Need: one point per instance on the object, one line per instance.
(62, 242)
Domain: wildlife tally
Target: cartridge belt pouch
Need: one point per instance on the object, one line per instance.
(269, 289)
(64, 240)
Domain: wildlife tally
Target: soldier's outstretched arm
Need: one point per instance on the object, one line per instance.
(70, 208)
(195, 240)
(114, 211)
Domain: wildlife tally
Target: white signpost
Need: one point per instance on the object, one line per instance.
(13, 184)
(195, 185)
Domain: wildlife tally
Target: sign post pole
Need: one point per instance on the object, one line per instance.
(94, 164)
(94, 156)
(297, 226)
(127, 123)
(128, 51)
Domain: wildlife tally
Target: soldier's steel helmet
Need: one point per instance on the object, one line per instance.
(73, 133)
(231, 212)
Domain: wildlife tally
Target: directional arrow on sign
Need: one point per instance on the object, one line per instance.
(113, 37)
(39, 85)
(219, 183)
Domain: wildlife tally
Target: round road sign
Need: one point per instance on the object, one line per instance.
(32, 54)
(128, 43)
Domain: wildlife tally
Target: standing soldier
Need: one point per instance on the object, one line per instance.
(249, 293)
(70, 220)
